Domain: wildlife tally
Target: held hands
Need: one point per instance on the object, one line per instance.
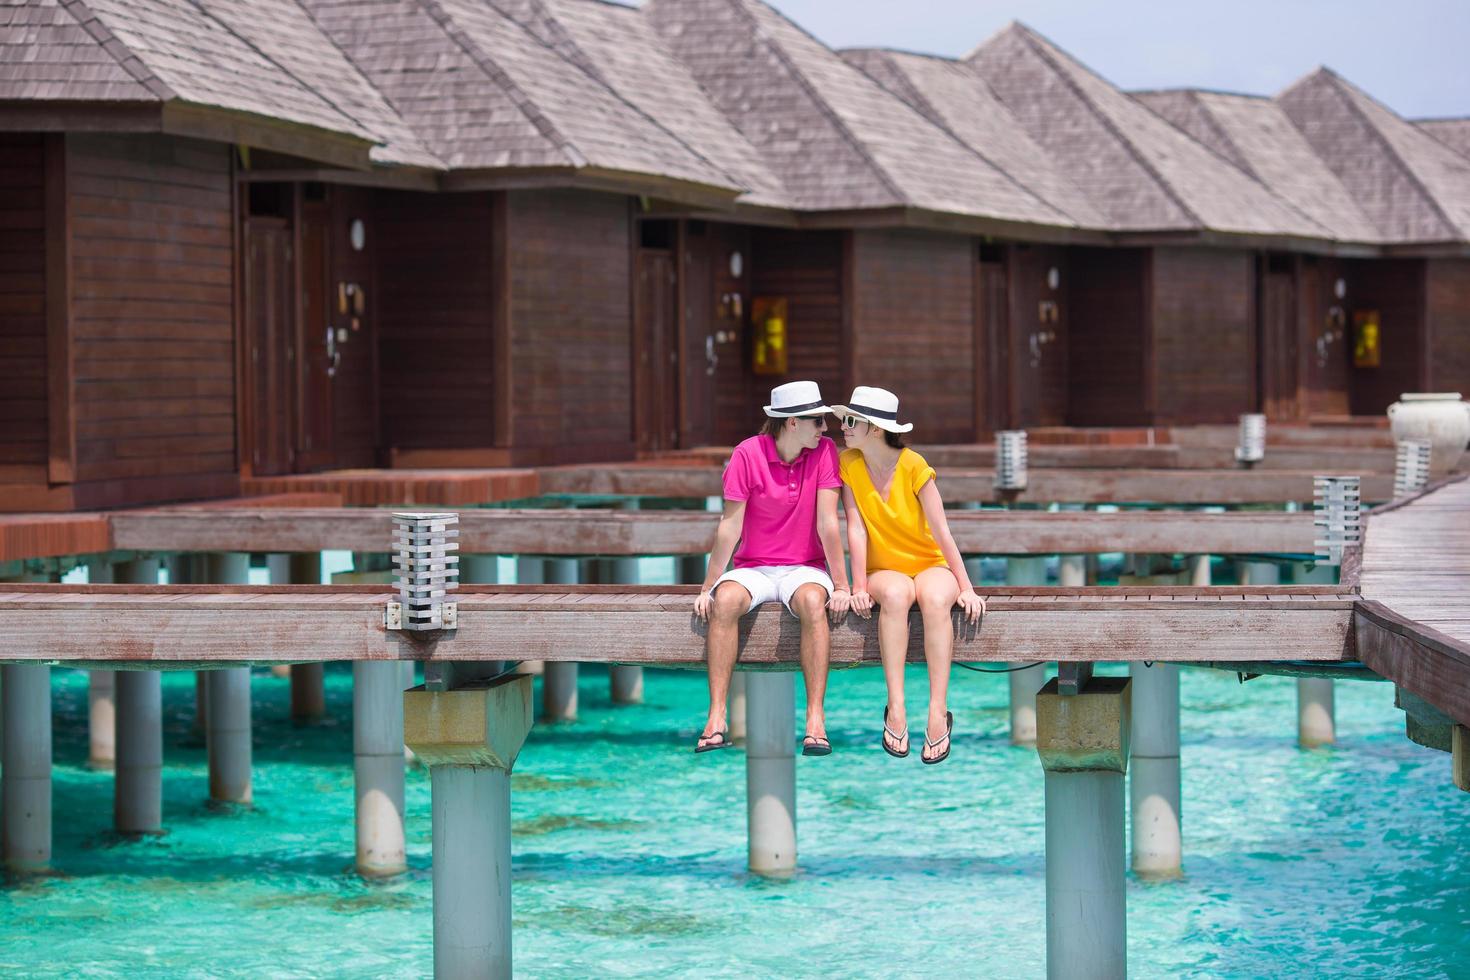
(972, 605)
(703, 604)
(862, 603)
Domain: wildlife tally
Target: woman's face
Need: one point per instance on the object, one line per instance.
(857, 434)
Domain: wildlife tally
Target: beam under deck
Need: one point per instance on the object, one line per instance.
(185, 627)
(610, 532)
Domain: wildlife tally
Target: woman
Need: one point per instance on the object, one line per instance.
(901, 552)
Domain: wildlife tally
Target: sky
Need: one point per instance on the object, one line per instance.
(1412, 55)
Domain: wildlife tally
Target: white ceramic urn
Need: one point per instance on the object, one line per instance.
(1440, 417)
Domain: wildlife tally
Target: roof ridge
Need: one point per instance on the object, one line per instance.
(1112, 127)
(807, 87)
(1338, 84)
(518, 97)
(108, 41)
(198, 5)
(1219, 132)
(363, 75)
(592, 72)
(933, 118)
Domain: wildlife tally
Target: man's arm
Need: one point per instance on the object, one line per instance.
(727, 536)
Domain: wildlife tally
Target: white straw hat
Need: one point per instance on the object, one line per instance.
(796, 398)
(878, 405)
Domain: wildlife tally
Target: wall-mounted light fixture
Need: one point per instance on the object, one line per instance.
(1339, 288)
(1053, 277)
(357, 235)
(737, 264)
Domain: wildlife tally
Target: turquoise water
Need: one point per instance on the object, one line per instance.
(629, 850)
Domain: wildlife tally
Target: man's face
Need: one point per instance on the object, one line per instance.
(810, 429)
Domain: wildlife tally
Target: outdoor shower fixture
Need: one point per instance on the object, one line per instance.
(1010, 459)
(1411, 467)
(1250, 444)
(424, 554)
(1338, 518)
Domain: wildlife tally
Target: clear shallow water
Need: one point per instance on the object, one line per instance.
(629, 851)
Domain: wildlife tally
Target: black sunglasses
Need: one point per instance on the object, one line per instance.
(851, 421)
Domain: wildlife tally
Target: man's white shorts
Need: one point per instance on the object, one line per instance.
(767, 583)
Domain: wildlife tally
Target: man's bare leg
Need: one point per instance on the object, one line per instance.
(721, 647)
(810, 605)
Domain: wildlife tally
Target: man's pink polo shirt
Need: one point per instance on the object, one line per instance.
(780, 501)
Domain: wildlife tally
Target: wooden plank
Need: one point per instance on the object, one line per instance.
(245, 527)
(1418, 658)
(178, 628)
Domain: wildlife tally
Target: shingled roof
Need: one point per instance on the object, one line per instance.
(616, 45)
(1414, 187)
(1454, 133)
(836, 139)
(485, 92)
(1144, 173)
(1254, 133)
(954, 97)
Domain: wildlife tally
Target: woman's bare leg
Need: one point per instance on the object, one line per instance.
(894, 593)
(937, 590)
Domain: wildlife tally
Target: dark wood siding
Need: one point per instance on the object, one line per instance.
(1395, 288)
(354, 389)
(806, 268)
(1323, 332)
(1277, 344)
(1040, 317)
(23, 419)
(571, 325)
(913, 327)
(152, 327)
(1448, 291)
(435, 319)
(733, 406)
(1204, 330)
(1107, 346)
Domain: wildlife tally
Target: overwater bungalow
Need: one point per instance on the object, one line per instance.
(247, 239)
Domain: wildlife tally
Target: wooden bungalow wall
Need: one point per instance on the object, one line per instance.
(1448, 314)
(913, 327)
(1203, 317)
(1108, 364)
(1396, 289)
(24, 444)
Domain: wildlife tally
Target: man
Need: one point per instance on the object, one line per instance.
(781, 493)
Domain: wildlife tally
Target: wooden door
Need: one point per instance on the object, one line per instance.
(656, 350)
(1038, 337)
(701, 354)
(1278, 343)
(319, 358)
(992, 349)
(268, 325)
(1323, 352)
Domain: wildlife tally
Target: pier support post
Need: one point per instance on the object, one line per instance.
(1083, 743)
(531, 571)
(1316, 707)
(377, 745)
(101, 693)
(1027, 681)
(625, 681)
(308, 681)
(770, 772)
(559, 681)
(470, 738)
(25, 770)
(1071, 571)
(227, 721)
(1153, 777)
(137, 788)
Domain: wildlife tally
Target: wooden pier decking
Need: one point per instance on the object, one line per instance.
(1414, 624)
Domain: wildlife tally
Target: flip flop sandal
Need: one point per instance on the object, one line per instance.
(945, 738)
(708, 746)
(896, 736)
(815, 745)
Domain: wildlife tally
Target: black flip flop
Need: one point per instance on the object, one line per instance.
(897, 737)
(723, 743)
(948, 731)
(815, 745)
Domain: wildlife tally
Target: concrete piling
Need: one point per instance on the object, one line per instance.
(1153, 778)
(1028, 680)
(25, 769)
(137, 790)
(559, 681)
(1083, 742)
(308, 681)
(101, 693)
(531, 571)
(227, 722)
(377, 745)
(1316, 703)
(770, 772)
(470, 738)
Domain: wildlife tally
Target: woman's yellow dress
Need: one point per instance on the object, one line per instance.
(898, 533)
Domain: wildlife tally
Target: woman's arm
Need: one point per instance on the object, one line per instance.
(857, 551)
(831, 538)
(933, 506)
(727, 536)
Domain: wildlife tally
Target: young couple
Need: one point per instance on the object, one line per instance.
(780, 526)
